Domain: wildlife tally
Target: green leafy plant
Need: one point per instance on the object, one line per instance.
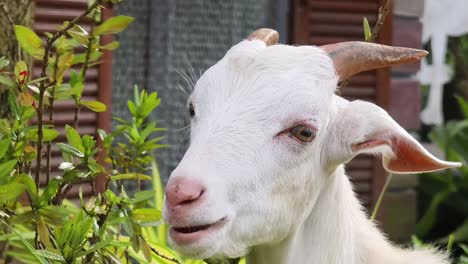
(447, 189)
(38, 224)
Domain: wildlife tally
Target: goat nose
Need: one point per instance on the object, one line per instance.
(183, 191)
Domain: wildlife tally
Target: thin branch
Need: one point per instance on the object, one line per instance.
(383, 13)
(51, 120)
(42, 88)
(83, 75)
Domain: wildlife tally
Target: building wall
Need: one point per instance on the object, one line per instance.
(170, 39)
(400, 201)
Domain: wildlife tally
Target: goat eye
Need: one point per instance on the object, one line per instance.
(191, 110)
(303, 133)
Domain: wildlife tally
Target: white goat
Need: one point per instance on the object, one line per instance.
(264, 172)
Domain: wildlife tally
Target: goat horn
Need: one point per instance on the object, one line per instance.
(353, 57)
(267, 35)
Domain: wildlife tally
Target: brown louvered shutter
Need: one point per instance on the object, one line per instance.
(47, 15)
(320, 22)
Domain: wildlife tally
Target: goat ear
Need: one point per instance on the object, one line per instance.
(366, 128)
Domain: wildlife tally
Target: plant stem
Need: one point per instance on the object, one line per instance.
(76, 114)
(39, 138)
(383, 13)
(51, 120)
(450, 243)
(42, 88)
(83, 75)
(381, 195)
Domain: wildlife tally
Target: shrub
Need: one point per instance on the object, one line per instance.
(444, 219)
(37, 222)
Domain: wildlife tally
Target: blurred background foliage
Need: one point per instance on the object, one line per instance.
(443, 196)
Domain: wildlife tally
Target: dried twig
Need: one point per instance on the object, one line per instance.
(383, 13)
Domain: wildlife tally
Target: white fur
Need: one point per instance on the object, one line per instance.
(285, 201)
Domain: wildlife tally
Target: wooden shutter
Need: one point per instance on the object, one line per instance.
(47, 15)
(320, 22)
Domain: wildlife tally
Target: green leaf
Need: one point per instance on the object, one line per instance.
(146, 215)
(51, 189)
(111, 46)
(132, 108)
(38, 80)
(81, 58)
(64, 45)
(460, 234)
(76, 82)
(145, 248)
(6, 168)
(30, 185)
(463, 105)
(148, 104)
(94, 106)
(43, 232)
(131, 176)
(55, 215)
(70, 150)
(428, 220)
(29, 41)
(79, 34)
(464, 248)
(26, 244)
(143, 196)
(367, 30)
(95, 247)
(12, 237)
(14, 107)
(49, 255)
(64, 63)
(26, 217)
(110, 196)
(4, 144)
(158, 198)
(28, 113)
(47, 134)
(165, 250)
(11, 191)
(73, 138)
(88, 143)
(6, 81)
(113, 25)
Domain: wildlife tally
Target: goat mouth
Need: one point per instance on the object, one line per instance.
(190, 229)
(190, 234)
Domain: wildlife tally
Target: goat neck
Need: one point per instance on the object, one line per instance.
(338, 231)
